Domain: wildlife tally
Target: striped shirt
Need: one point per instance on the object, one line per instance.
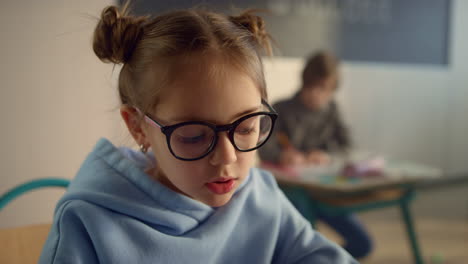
(307, 130)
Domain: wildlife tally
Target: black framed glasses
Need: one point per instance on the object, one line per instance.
(193, 140)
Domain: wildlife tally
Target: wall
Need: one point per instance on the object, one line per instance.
(458, 94)
(56, 98)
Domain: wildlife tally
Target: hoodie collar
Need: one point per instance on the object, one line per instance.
(112, 180)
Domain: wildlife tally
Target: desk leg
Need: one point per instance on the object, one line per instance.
(405, 210)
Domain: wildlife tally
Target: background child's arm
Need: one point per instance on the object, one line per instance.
(341, 134)
(272, 149)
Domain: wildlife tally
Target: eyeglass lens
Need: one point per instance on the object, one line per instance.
(195, 140)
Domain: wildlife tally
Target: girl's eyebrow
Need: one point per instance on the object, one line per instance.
(246, 112)
(234, 118)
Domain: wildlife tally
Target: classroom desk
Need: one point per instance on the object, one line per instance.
(22, 244)
(335, 194)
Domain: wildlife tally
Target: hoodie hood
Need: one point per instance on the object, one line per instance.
(115, 179)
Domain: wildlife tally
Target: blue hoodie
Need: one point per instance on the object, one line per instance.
(113, 212)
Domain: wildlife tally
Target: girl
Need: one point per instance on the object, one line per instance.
(194, 99)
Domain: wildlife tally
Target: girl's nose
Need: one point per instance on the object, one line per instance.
(224, 152)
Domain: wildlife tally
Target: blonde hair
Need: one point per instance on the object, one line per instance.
(138, 42)
(319, 66)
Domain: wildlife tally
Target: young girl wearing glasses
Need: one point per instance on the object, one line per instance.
(194, 99)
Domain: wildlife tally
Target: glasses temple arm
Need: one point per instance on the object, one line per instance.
(148, 119)
(269, 106)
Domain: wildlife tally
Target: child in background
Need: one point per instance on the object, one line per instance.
(309, 131)
(194, 99)
(310, 127)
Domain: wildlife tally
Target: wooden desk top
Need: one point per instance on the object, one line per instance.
(22, 244)
(331, 183)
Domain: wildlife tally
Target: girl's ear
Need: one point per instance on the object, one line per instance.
(134, 123)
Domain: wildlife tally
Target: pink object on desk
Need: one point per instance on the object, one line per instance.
(373, 167)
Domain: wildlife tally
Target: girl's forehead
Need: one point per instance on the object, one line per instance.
(215, 92)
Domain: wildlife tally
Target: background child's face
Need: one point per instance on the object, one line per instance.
(212, 91)
(318, 96)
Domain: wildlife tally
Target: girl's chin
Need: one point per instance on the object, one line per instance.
(219, 201)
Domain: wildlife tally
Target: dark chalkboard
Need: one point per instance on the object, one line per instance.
(395, 31)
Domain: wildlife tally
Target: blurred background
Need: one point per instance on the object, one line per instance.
(404, 94)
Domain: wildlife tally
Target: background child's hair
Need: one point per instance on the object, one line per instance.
(141, 43)
(319, 66)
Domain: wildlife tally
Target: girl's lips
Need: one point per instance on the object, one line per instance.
(221, 179)
(221, 185)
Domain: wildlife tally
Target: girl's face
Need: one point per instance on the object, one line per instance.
(213, 91)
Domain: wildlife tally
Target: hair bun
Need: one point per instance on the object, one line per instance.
(256, 25)
(116, 35)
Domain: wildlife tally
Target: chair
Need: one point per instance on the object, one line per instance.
(24, 244)
(29, 186)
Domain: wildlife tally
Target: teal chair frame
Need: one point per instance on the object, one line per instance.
(15, 192)
(302, 197)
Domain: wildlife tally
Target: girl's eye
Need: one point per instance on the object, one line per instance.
(245, 130)
(192, 140)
